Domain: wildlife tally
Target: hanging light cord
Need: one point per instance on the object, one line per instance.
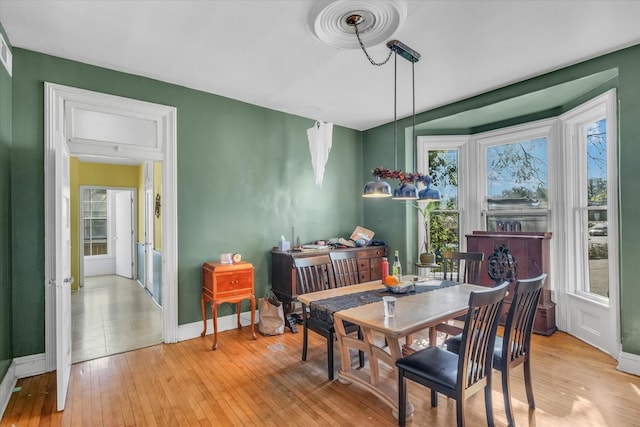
(395, 111)
(414, 143)
(378, 64)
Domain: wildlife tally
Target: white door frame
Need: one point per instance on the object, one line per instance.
(64, 106)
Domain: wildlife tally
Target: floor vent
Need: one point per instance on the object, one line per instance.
(5, 54)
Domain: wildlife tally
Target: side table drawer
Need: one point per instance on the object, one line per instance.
(234, 283)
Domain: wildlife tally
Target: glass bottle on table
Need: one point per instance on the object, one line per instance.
(384, 266)
(397, 268)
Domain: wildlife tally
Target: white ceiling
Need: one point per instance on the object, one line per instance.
(263, 52)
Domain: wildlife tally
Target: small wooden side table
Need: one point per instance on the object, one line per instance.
(230, 283)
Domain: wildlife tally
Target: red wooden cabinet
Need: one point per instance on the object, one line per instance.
(230, 283)
(530, 251)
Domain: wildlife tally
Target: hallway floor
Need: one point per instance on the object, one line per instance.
(111, 315)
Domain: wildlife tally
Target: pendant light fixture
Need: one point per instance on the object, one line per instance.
(334, 22)
(406, 190)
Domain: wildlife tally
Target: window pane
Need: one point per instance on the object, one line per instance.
(443, 168)
(87, 229)
(99, 209)
(99, 229)
(517, 222)
(517, 176)
(598, 229)
(444, 230)
(94, 211)
(99, 247)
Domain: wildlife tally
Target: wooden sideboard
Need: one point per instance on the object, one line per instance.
(283, 273)
(230, 283)
(529, 254)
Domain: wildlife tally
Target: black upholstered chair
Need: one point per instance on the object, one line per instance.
(458, 376)
(513, 348)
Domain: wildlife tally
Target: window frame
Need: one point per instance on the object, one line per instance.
(109, 252)
(511, 135)
(449, 142)
(574, 170)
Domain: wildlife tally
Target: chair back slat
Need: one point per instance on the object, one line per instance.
(345, 268)
(462, 266)
(519, 323)
(314, 274)
(478, 336)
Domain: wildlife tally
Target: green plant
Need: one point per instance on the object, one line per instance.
(426, 217)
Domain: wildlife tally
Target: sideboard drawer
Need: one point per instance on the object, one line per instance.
(364, 270)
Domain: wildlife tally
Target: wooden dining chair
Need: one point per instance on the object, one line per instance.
(465, 267)
(458, 376)
(316, 274)
(513, 348)
(345, 272)
(345, 268)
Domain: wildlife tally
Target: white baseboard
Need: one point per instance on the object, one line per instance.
(629, 363)
(6, 387)
(225, 323)
(28, 366)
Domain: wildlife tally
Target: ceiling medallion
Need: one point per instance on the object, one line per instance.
(378, 21)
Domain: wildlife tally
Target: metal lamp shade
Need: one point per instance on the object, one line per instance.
(429, 195)
(405, 192)
(377, 189)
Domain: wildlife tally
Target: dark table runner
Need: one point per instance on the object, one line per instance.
(323, 309)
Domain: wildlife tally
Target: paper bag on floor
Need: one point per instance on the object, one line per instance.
(271, 316)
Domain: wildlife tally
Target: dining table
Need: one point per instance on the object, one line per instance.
(428, 303)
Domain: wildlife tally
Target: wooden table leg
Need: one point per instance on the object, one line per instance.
(387, 389)
(214, 311)
(204, 316)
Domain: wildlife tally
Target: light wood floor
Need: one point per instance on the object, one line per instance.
(111, 314)
(264, 383)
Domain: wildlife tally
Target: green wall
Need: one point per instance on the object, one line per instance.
(244, 178)
(382, 214)
(6, 351)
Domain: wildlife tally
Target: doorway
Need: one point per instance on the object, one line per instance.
(105, 127)
(111, 311)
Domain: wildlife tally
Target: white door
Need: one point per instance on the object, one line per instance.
(590, 287)
(148, 236)
(63, 277)
(124, 233)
